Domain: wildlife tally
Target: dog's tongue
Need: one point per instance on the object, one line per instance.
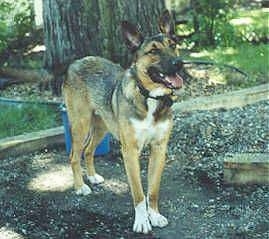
(176, 81)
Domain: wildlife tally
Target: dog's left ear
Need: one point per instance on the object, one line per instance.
(166, 23)
(132, 36)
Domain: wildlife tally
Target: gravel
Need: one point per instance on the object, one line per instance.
(207, 137)
(37, 200)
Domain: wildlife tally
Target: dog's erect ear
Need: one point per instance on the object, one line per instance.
(132, 37)
(166, 23)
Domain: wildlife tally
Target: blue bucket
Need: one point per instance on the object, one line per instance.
(102, 149)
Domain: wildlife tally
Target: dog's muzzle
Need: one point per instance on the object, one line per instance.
(170, 79)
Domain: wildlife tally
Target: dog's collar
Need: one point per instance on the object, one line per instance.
(146, 93)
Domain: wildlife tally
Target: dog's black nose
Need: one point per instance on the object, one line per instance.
(177, 62)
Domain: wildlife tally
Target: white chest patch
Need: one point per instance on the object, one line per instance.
(157, 92)
(147, 129)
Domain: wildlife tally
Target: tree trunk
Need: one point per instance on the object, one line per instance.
(196, 24)
(76, 28)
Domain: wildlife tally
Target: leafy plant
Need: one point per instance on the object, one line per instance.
(216, 23)
(16, 20)
(251, 25)
(209, 16)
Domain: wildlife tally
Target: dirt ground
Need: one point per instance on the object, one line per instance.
(37, 200)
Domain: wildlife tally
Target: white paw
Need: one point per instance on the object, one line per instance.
(141, 223)
(84, 190)
(156, 219)
(95, 179)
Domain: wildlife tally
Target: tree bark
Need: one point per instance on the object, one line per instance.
(76, 28)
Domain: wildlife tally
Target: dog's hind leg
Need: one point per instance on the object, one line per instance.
(97, 132)
(79, 131)
(80, 120)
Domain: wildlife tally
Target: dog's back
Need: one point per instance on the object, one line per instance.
(92, 80)
(98, 75)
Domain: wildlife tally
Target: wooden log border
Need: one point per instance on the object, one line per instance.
(50, 138)
(227, 100)
(246, 168)
(30, 142)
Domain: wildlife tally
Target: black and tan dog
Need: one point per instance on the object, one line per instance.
(134, 105)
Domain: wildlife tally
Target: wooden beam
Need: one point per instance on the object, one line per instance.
(247, 168)
(227, 100)
(10, 76)
(12, 101)
(26, 143)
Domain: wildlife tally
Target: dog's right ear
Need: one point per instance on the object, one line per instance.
(132, 36)
(166, 23)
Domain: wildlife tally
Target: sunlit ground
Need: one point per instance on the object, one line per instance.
(214, 74)
(60, 179)
(116, 186)
(54, 180)
(6, 233)
(241, 21)
(206, 53)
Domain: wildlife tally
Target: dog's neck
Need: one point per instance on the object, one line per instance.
(166, 99)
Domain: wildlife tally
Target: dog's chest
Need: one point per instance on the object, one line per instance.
(148, 129)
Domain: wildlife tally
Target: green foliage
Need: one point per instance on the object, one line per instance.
(15, 120)
(234, 37)
(216, 23)
(243, 25)
(16, 20)
(251, 24)
(5, 7)
(209, 17)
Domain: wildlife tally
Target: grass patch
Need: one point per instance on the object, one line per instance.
(252, 59)
(242, 42)
(25, 118)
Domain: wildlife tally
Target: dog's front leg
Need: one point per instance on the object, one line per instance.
(130, 153)
(155, 169)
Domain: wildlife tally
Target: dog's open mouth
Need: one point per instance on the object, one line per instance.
(172, 81)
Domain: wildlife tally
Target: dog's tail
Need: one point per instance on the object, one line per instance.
(59, 72)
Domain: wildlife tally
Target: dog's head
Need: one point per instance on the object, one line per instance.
(155, 58)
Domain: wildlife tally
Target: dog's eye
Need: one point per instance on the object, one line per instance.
(173, 46)
(153, 51)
